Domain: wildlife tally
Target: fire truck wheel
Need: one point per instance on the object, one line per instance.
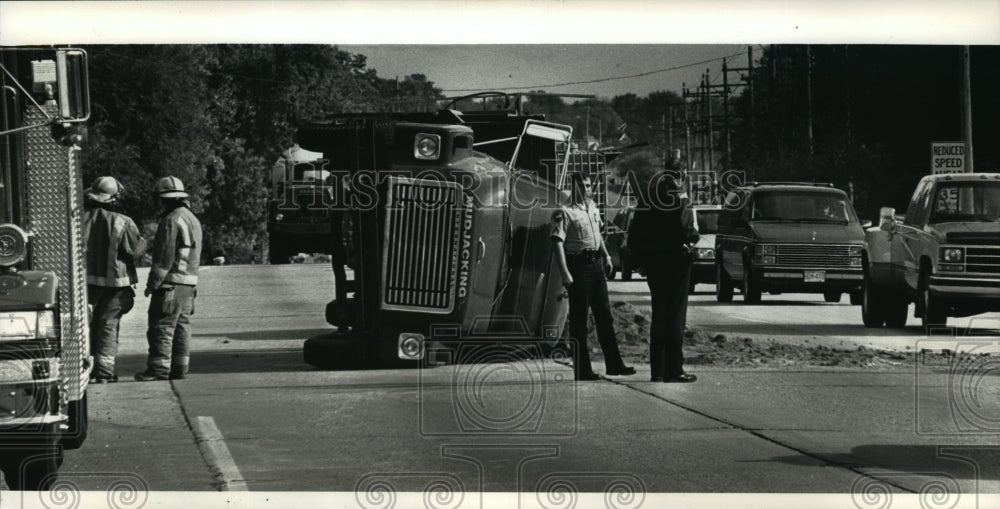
(277, 253)
(78, 424)
(32, 470)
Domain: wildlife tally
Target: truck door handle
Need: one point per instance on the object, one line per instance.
(482, 249)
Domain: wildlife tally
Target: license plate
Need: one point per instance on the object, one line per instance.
(815, 276)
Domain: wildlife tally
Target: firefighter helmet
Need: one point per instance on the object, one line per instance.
(105, 189)
(170, 187)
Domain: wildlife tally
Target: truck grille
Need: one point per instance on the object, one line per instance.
(814, 255)
(983, 259)
(420, 248)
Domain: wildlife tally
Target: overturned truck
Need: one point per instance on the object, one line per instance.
(443, 219)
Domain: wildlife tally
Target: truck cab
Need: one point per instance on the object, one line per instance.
(943, 254)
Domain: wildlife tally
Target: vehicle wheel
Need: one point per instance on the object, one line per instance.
(872, 305)
(277, 253)
(626, 268)
(832, 297)
(33, 470)
(894, 310)
(934, 313)
(723, 286)
(856, 297)
(78, 420)
(751, 290)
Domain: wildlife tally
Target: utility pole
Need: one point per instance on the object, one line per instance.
(809, 98)
(663, 128)
(725, 112)
(967, 108)
(687, 128)
(709, 132)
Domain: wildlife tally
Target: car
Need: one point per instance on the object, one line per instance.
(943, 254)
(784, 237)
(706, 220)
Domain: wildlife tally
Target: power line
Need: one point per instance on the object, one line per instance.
(601, 80)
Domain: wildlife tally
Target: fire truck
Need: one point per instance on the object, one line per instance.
(444, 220)
(45, 357)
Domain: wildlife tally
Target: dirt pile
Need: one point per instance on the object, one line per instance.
(702, 348)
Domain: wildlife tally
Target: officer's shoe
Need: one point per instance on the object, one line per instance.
(104, 379)
(624, 370)
(587, 377)
(177, 376)
(146, 376)
(683, 378)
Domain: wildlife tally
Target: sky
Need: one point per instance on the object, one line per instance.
(610, 70)
(476, 45)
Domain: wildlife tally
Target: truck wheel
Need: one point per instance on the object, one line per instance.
(34, 470)
(832, 297)
(934, 313)
(78, 421)
(856, 297)
(894, 309)
(723, 286)
(277, 253)
(751, 290)
(872, 305)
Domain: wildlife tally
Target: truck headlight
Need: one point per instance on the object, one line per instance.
(411, 346)
(768, 249)
(427, 146)
(856, 261)
(705, 253)
(770, 259)
(952, 254)
(23, 325)
(855, 250)
(279, 216)
(13, 245)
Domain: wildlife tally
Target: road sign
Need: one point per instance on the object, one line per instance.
(947, 157)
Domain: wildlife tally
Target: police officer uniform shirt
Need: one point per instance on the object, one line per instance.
(578, 226)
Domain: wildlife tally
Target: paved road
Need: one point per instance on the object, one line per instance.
(253, 416)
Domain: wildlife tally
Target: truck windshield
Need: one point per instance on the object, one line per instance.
(708, 221)
(966, 201)
(810, 206)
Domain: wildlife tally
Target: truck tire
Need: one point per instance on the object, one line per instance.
(278, 253)
(872, 305)
(723, 286)
(32, 470)
(894, 309)
(78, 424)
(751, 289)
(856, 296)
(832, 297)
(934, 313)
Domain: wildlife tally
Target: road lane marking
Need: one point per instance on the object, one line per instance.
(216, 454)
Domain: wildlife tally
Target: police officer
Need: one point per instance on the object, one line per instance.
(113, 243)
(172, 282)
(660, 237)
(583, 261)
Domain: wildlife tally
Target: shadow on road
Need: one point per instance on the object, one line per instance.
(280, 334)
(968, 462)
(236, 361)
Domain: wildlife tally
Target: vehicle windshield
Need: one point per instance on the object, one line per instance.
(966, 201)
(708, 220)
(811, 206)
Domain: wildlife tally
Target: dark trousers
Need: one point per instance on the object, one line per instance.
(109, 305)
(589, 291)
(169, 330)
(668, 289)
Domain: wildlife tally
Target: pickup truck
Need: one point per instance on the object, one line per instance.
(943, 254)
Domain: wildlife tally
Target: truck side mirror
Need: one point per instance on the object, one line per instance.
(887, 219)
(71, 78)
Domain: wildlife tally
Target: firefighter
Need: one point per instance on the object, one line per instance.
(113, 243)
(584, 262)
(660, 237)
(173, 279)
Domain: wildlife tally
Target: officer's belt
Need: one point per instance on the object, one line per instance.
(585, 255)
